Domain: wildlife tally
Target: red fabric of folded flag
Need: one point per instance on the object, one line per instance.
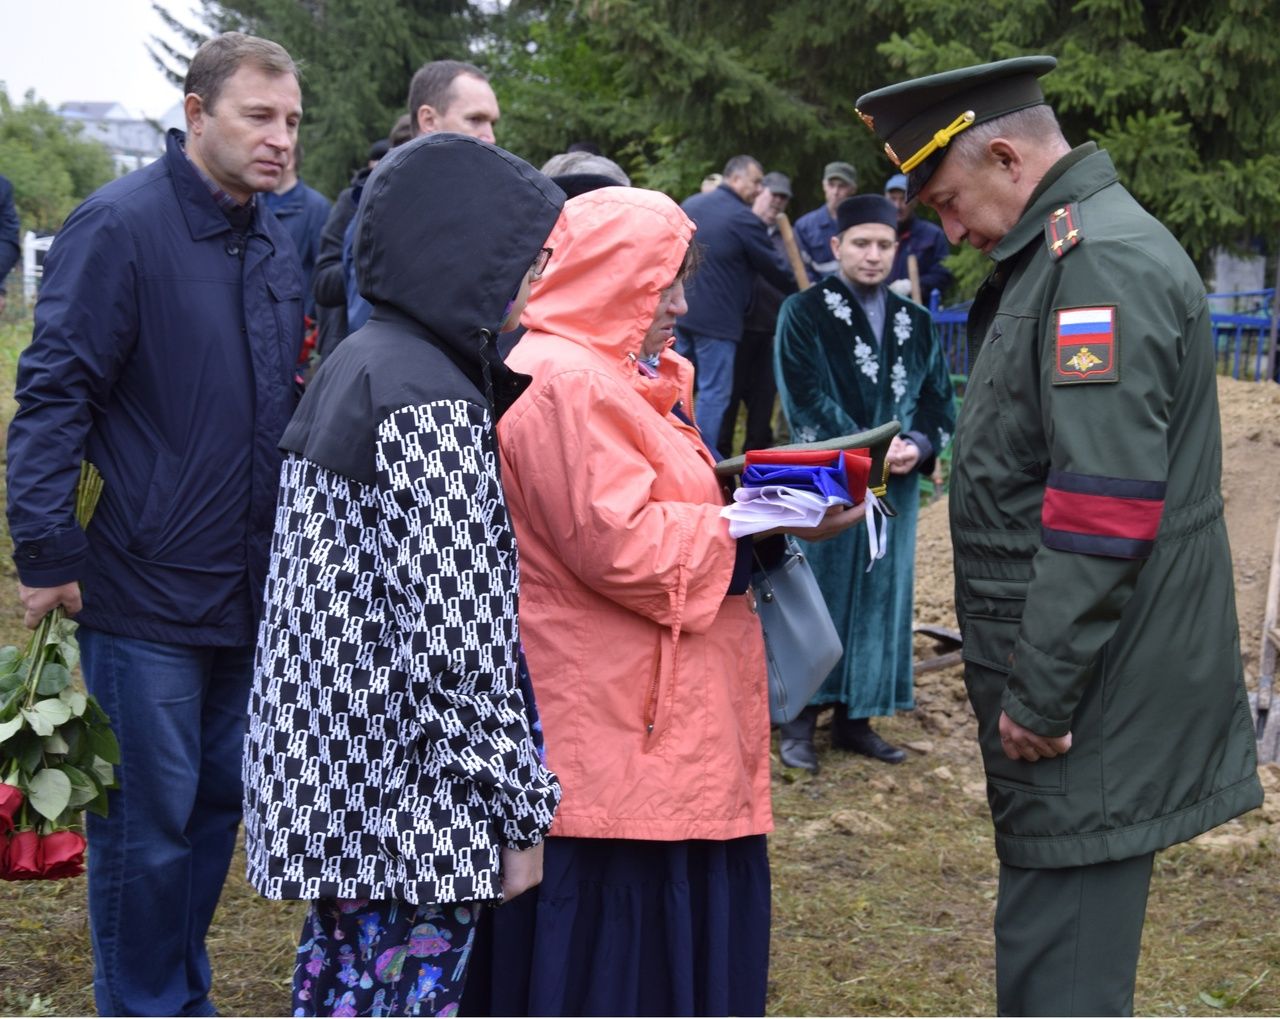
(857, 464)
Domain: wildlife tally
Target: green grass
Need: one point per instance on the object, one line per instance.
(884, 886)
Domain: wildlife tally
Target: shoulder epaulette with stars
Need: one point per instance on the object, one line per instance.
(1062, 230)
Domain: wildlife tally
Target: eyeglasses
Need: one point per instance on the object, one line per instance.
(540, 263)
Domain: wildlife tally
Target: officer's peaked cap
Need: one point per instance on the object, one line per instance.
(917, 119)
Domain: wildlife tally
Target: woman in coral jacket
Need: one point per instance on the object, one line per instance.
(646, 655)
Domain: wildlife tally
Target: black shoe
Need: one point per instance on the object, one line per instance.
(795, 741)
(857, 736)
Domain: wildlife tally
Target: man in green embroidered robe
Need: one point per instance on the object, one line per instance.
(851, 354)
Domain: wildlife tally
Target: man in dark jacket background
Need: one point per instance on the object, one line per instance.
(816, 227)
(753, 380)
(165, 338)
(735, 246)
(1094, 580)
(302, 211)
(329, 281)
(10, 247)
(444, 95)
(920, 238)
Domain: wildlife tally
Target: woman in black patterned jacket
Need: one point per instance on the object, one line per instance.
(393, 769)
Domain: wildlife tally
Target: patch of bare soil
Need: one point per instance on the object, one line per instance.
(1251, 490)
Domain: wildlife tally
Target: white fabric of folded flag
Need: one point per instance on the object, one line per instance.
(754, 510)
(762, 509)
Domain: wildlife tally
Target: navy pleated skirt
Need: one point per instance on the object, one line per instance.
(623, 927)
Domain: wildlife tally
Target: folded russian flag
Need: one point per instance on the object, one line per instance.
(795, 488)
(837, 473)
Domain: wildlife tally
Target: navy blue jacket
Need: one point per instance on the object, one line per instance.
(329, 281)
(813, 232)
(10, 248)
(735, 247)
(929, 244)
(303, 211)
(163, 353)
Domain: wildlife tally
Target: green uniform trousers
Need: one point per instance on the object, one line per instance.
(1067, 938)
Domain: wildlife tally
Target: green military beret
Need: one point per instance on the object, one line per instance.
(917, 119)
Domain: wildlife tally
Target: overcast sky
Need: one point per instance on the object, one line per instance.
(87, 51)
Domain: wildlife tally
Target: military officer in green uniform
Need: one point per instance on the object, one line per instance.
(1093, 578)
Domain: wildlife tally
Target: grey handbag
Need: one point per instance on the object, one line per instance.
(800, 640)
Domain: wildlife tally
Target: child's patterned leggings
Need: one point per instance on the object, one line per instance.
(382, 958)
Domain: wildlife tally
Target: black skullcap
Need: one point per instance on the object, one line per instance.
(858, 209)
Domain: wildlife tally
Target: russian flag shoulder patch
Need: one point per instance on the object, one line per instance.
(1086, 345)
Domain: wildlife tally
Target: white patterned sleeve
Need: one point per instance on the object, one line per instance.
(449, 559)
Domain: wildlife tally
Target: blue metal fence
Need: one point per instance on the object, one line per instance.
(1241, 332)
(950, 322)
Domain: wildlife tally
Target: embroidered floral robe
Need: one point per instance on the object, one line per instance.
(835, 377)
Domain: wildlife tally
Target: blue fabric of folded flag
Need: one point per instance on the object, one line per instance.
(827, 481)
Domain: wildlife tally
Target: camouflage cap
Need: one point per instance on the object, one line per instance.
(840, 170)
(917, 119)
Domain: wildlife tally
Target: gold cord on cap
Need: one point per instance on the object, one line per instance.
(940, 140)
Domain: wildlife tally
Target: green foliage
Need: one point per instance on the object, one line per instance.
(1182, 95)
(356, 58)
(51, 167)
(669, 90)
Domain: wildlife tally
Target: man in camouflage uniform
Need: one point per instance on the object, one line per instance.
(1093, 577)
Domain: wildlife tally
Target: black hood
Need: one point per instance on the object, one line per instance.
(447, 228)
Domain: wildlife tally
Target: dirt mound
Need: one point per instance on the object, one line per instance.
(1251, 489)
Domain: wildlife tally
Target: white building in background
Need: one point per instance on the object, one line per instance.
(174, 116)
(133, 140)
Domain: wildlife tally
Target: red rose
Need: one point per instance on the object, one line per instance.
(23, 860)
(62, 855)
(10, 804)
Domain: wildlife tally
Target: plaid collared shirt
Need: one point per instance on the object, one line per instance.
(238, 213)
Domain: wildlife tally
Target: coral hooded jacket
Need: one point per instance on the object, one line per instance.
(650, 679)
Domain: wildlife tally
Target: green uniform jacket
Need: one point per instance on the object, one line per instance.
(1093, 577)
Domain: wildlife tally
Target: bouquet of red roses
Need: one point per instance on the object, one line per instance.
(56, 744)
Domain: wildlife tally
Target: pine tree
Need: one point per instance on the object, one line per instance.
(356, 58)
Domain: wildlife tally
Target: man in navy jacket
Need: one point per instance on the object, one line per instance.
(917, 237)
(303, 211)
(165, 337)
(735, 246)
(10, 249)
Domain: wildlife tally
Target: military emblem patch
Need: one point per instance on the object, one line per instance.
(1086, 343)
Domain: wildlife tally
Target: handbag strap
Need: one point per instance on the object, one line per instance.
(761, 577)
(877, 544)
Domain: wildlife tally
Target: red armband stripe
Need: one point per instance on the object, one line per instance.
(1096, 515)
(1106, 516)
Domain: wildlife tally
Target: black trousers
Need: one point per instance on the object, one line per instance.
(1067, 939)
(754, 385)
